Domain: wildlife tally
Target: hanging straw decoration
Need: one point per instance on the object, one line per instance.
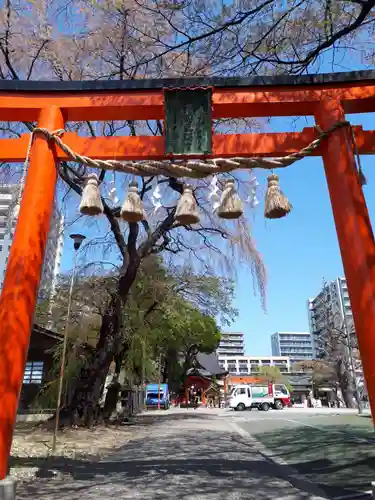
(231, 206)
(15, 208)
(187, 210)
(155, 199)
(91, 201)
(276, 203)
(132, 209)
(214, 196)
(362, 177)
(357, 159)
(112, 192)
(254, 202)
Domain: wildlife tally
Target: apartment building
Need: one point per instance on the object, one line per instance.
(246, 365)
(231, 344)
(329, 309)
(54, 249)
(295, 345)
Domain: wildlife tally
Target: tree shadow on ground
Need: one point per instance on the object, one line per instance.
(187, 464)
(150, 418)
(340, 460)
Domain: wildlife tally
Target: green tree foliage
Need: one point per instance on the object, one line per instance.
(323, 372)
(164, 321)
(113, 39)
(272, 374)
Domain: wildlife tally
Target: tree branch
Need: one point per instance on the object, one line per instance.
(236, 20)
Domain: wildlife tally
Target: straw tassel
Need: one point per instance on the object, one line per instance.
(362, 177)
(91, 201)
(276, 203)
(186, 210)
(132, 209)
(231, 206)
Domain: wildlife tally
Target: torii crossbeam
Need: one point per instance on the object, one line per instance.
(53, 104)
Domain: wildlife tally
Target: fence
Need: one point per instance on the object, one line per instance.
(132, 401)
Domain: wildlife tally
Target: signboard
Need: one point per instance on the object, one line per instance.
(259, 391)
(188, 122)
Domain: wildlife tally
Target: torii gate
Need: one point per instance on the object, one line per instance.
(52, 104)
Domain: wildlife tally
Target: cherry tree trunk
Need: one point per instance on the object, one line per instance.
(84, 405)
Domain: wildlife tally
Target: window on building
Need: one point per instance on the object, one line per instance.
(5, 194)
(33, 372)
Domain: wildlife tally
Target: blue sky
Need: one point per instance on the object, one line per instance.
(298, 250)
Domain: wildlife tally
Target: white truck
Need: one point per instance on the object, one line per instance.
(260, 396)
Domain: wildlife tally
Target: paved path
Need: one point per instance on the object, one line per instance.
(186, 456)
(335, 452)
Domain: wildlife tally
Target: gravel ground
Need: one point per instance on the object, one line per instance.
(31, 453)
(186, 456)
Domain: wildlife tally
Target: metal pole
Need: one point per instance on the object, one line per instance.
(159, 381)
(352, 368)
(143, 374)
(63, 356)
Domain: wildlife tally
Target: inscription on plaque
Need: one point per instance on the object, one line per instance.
(188, 122)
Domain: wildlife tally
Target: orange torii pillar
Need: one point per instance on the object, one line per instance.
(354, 232)
(21, 284)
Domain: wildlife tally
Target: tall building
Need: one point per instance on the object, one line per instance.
(330, 311)
(53, 255)
(295, 345)
(245, 365)
(231, 344)
(241, 367)
(330, 308)
(52, 260)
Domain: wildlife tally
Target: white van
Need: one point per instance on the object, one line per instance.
(261, 396)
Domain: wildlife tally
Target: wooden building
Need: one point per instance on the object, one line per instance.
(200, 377)
(38, 365)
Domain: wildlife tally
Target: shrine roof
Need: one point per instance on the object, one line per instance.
(182, 83)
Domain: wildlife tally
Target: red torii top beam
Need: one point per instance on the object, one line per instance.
(52, 104)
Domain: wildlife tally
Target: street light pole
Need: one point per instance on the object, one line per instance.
(143, 374)
(77, 239)
(159, 381)
(352, 367)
